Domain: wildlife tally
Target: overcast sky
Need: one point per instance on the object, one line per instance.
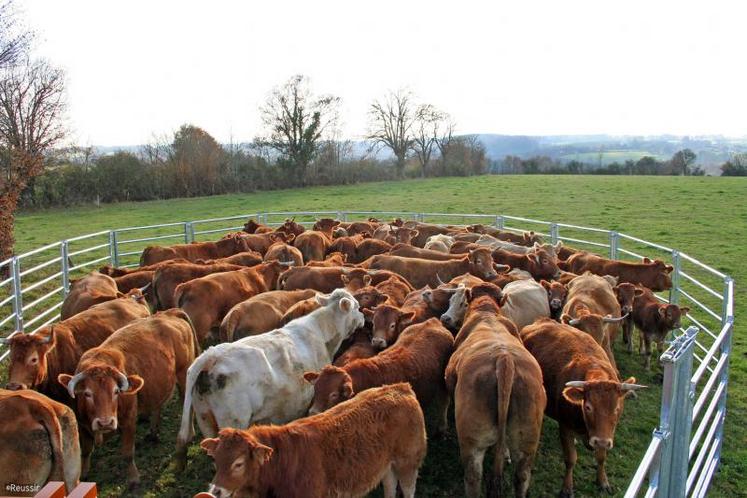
(137, 68)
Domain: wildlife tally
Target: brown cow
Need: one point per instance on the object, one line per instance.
(166, 279)
(336, 453)
(419, 357)
(260, 314)
(252, 226)
(261, 242)
(556, 296)
(92, 289)
(566, 252)
(626, 294)
(312, 244)
(290, 227)
(565, 277)
(325, 226)
(591, 306)
(346, 246)
(498, 395)
(197, 250)
(327, 279)
(422, 272)
(400, 235)
(332, 259)
(355, 347)
(280, 251)
(208, 299)
(584, 392)
(246, 258)
(147, 358)
(654, 321)
(138, 280)
(368, 248)
(540, 263)
(38, 442)
(360, 227)
(651, 274)
(523, 238)
(37, 359)
(409, 251)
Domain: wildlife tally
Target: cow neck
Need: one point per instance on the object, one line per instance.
(334, 337)
(66, 352)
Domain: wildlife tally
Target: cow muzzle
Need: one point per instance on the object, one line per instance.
(219, 492)
(627, 310)
(15, 386)
(600, 443)
(556, 304)
(378, 343)
(447, 320)
(104, 424)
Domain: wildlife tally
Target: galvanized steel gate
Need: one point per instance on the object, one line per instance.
(686, 446)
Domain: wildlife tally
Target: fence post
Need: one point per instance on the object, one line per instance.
(614, 241)
(554, 233)
(675, 421)
(500, 221)
(674, 292)
(15, 269)
(65, 267)
(189, 232)
(727, 319)
(113, 248)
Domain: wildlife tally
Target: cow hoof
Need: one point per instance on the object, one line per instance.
(607, 488)
(133, 485)
(565, 493)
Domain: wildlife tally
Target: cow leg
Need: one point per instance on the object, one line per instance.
(608, 350)
(389, 482)
(155, 424)
(86, 448)
(128, 418)
(523, 474)
(495, 483)
(647, 349)
(628, 334)
(407, 477)
(472, 459)
(441, 404)
(600, 454)
(568, 441)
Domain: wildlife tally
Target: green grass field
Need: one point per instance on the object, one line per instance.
(611, 156)
(704, 217)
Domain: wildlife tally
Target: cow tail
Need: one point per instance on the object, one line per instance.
(179, 295)
(228, 327)
(282, 279)
(143, 255)
(505, 371)
(154, 284)
(48, 418)
(203, 362)
(195, 340)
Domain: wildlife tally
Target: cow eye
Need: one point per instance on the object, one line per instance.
(34, 361)
(116, 390)
(238, 465)
(587, 407)
(89, 394)
(391, 326)
(333, 396)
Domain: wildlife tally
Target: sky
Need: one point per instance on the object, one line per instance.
(140, 69)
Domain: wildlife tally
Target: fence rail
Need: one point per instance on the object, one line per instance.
(685, 448)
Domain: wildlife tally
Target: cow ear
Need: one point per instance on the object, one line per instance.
(209, 445)
(638, 292)
(261, 453)
(565, 318)
(290, 238)
(347, 390)
(64, 379)
(369, 313)
(574, 395)
(545, 284)
(346, 305)
(345, 279)
(136, 383)
(669, 268)
(662, 310)
(406, 318)
(684, 310)
(322, 299)
(647, 261)
(367, 280)
(273, 236)
(501, 268)
(311, 377)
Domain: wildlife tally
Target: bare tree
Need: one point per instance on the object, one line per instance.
(428, 123)
(445, 135)
(14, 39)
(297, 120)
(32, 108)
(391, 121)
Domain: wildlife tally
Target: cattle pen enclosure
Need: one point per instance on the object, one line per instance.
(680, 457)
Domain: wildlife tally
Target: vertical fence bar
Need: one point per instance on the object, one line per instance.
(113, 248)
(65, 267)
(614, 241)
(674, 292)
(676, 414)
(15, 268)
(554, 233)
(189, 232)
(500, 222)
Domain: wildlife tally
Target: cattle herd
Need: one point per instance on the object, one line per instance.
(309, 357)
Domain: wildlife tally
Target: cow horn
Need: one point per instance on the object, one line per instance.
(6, 340)
(48, 339)
(438, 278)
(122, 382)
(574, 321)
(145, 287)
(286, 263)
(576, 383)
(611, 319)
(631, 387)
(71, 385)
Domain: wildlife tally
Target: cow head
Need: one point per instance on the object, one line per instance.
(601, 402)
(463, 296)
(290, 227)
(397, 222)
(481, 264)
(626, 294)
(438, 299)
(282, 237)
(404, 235)
(671, 315)
(325, 225)
(96, 391)
(337, 258)
(556, 294)
(344, 245)
(355, 279)
(369, 297)
(251, 226)
(542, 264)
(662, 279)
(591, 323)
(388, 323)
(346, 309)
(28, 358)
(238, 458)
(476, 228)
(332, 385)
(531, 238)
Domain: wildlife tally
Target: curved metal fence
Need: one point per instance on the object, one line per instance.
(685, 448)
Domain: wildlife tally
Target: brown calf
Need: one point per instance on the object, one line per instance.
(280, 251)
(524, 238)
(540, 263)
(556, 296)
(167, 278)
(626, 294)
(92, 289)
(498, 395)
(651, 274)
(131, 373)
(654, 321)
(409, 251)
(197, 250)
(336, 453)
(252, 226)
(584, 392)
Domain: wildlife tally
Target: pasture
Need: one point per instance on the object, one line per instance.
(705, 217)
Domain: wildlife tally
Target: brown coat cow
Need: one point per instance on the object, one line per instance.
(422, 272)
(408, 251)
(626, 294)
(336, 453)
(197, 250)
(260, 314)
(332, 259)
(498, 395)
(327, 279)
(654, 321)
(166, 279)
(651, 274)
(368, 248)
(540, 263)
(208, 299)
(280, 251)
(556, 296)
(38, 442)
(346, 246)
(356, 347)
(523, 238)
(252, 226)
(419, 357)
(146, 358)
(313, 245)
(37, 359)
(137, 280)
(92, 289)
(584, 393)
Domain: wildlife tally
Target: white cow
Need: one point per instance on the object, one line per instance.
(259, 379)
(439, 242)
(523, 302)
(493, 243)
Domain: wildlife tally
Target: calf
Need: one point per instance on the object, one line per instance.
(38, 442)
(167, 278)
(312, 244)
(651, 274)
(208, 299)
(280, 251)
(419, 357)
(439, 242)
(336, 453)
(591, 306)
(260, 313)
(400, 235)
(326, 226)
(252, 226)
(584, 392)
(626, 294)
(260, 378)
(409, 251)
(346, 246)
(498, 396)
(540, 263)
(422, 272)
(37, 359)
(654, 321)
(85, 292)
(197, 250)
(556, 295)
(290, 227)
(131, 373)
(332, 259)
